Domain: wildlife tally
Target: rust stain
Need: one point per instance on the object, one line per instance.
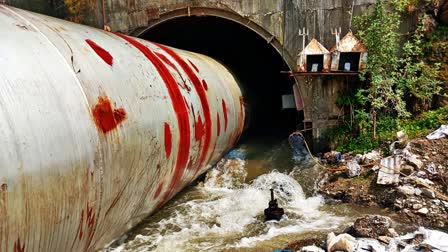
(349, 43)
(159, 189)
(81, 224)
(314, 47)
(76, 10)
(18, 247)
(224, 110)
(90, 221)
(153, 13)
(23, 27)
(241, 119)
(218, 124)
(116, 199)
(107, 118)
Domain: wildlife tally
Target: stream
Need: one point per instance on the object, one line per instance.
(225, 212)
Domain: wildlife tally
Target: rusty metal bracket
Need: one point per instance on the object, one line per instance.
(337, 34)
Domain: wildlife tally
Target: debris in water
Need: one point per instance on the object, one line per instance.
(273, 212)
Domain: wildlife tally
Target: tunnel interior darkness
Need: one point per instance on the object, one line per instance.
(254, 62)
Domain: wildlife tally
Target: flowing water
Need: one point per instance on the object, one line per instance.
(225, 213)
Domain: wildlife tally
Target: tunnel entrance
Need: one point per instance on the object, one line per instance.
(255, 63)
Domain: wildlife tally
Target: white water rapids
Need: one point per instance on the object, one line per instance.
(226, 214)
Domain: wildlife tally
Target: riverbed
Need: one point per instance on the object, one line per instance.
(225, 211)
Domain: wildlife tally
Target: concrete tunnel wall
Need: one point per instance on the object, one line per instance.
(277, 21)
(100, 129)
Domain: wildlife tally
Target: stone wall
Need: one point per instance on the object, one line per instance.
(280, 18)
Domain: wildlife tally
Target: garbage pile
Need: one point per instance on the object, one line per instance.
(374, 233)
(412, 181)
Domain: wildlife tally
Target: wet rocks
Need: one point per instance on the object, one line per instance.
(428, 193)
(406, 190)
(423, 211)
(407, 170)
(417, 206)
(342, 242)
(413, 160)
(372, 226)
(309, 242)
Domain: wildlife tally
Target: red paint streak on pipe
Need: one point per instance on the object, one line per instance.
(186, 104)
(105, 55)
(224, 110)
(204, 83)
(166, 60)
(202, 97)
(169, 63)
(81, 224)
(194, 66)
(90, 220)
(199, 129)
(159, 189)
(116, 199)
(213, 152)
(218, 123)
(180, 109)
(105, 117)
(168, 140)
(18, 247)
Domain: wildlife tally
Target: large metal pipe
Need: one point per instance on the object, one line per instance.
(100, 129)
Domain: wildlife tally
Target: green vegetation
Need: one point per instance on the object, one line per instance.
(343, 138)
(400, 81)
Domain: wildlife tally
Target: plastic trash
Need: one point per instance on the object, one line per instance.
(353, 169)
(434, 240)
(389, 174)
(441, 132)
(372, 245)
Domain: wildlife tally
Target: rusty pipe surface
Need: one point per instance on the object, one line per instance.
(100, 129)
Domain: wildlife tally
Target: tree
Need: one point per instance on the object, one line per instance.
(393, 73)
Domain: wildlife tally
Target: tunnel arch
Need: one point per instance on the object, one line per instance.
(220, 13)
(255, 57)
